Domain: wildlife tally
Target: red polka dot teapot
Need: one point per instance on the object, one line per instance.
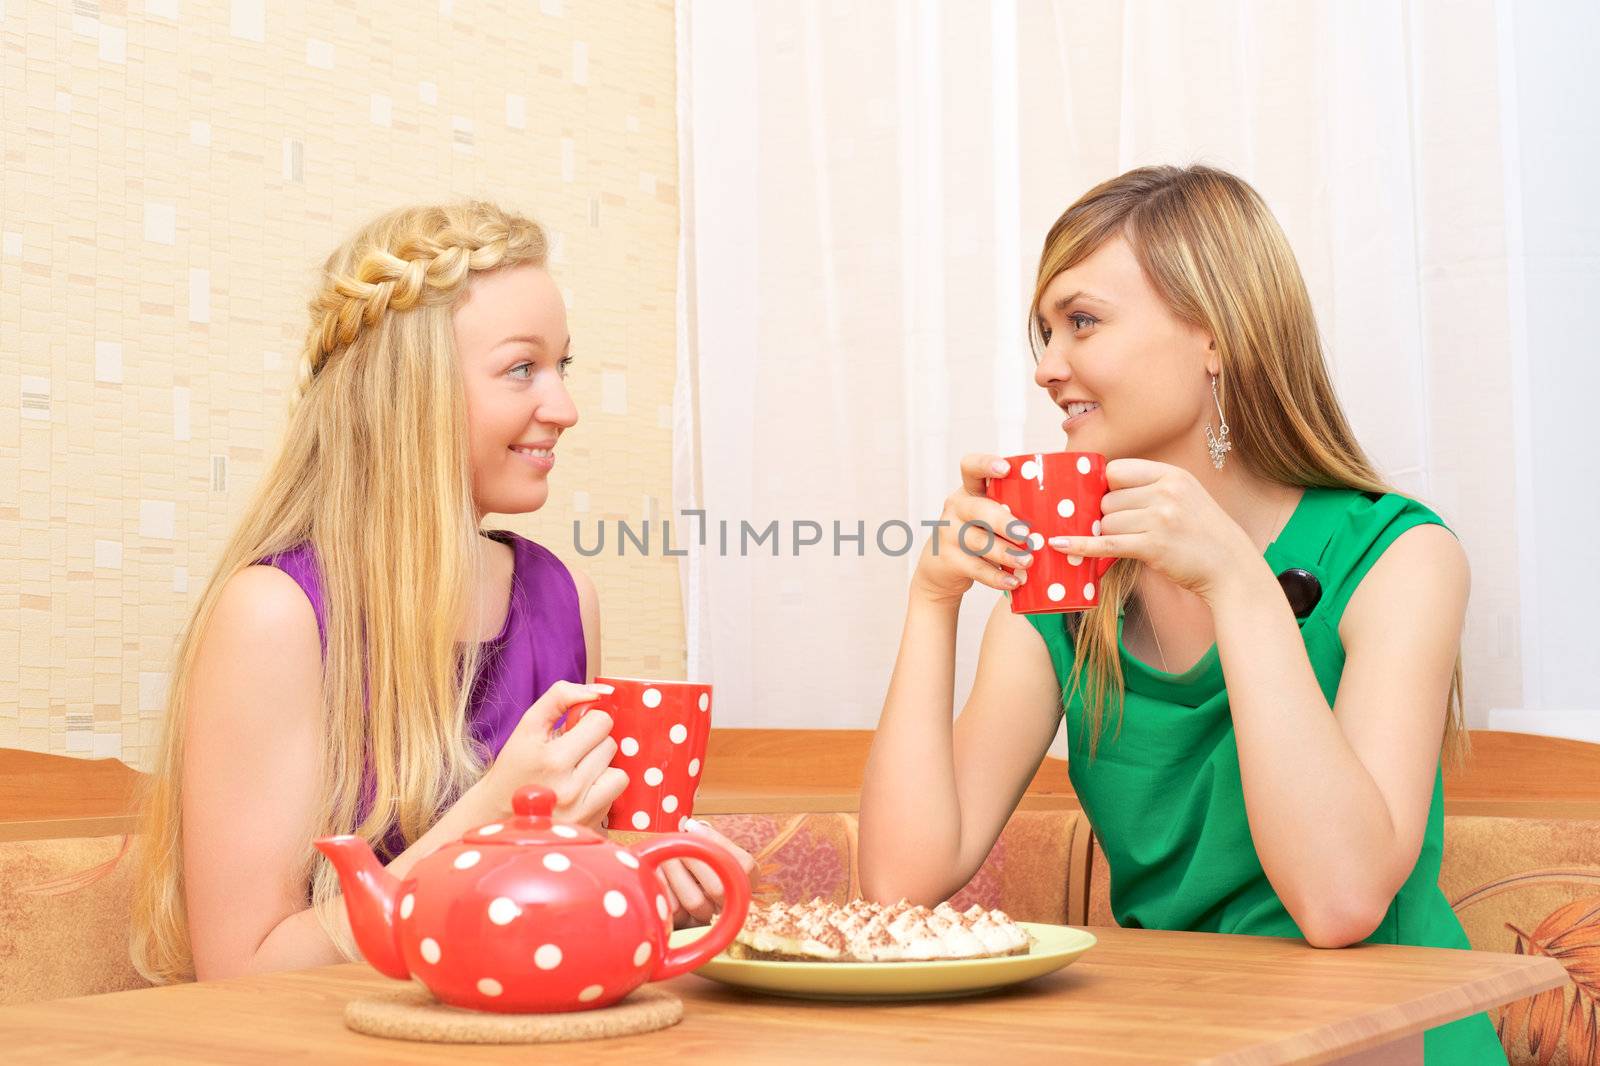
(531, 914)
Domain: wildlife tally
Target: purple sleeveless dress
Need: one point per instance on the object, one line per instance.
(541, 643)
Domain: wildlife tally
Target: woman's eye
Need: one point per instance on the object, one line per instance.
(566, 361)
(1079, 319)
(521, 370)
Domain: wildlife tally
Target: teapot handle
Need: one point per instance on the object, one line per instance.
(735, 886)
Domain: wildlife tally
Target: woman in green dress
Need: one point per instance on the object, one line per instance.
(1247, 769)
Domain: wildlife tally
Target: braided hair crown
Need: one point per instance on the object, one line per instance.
(410, 257)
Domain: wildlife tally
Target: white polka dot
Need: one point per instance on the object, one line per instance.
(625, 857)
(1030, 470)
(652, 697)
(1036, 541)
(557, 862)
(1088, 591)
(628, 747)
(669, 803)
(503, 911)
(1084, 464)
(641, 954)
(661, 907)
(1095, 529)
(1065, 508)
(641, 820)
(1057, 592)
(590, 994)
(705, 701)
(407, 904)
(678, 734)
(490, 830)
(430, 950)
(694, 767)
(489, 986)
(564, 831)
(466, 860)
(652, 776)
(616, 904)
(1074, 560)
(548, 957)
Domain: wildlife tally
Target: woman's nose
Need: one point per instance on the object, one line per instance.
(1051, 370)
(557, 408)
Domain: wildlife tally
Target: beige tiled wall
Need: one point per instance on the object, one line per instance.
(173, 170)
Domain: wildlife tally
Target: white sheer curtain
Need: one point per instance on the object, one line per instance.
(865, 190)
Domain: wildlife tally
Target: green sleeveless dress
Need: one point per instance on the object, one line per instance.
(1164, 795)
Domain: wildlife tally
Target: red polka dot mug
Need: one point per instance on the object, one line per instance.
(661, 729)
(530, 914)
(1058, 495)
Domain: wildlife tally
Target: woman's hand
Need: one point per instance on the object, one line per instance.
(694, 891)
(1162, 516)
(576, 765)
(950, 563)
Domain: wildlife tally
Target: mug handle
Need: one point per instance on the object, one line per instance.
(735, 885)
(1102, 563)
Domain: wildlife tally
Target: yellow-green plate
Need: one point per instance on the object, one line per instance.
(1054, 946)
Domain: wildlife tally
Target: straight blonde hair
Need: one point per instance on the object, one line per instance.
(374, 475)
(1218, 259)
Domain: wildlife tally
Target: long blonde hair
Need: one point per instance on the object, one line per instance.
(374, 474)
(1216, 256)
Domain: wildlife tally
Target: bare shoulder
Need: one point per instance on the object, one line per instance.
(1013, 665)
(1013, 631)
(588, 597)
(259, 654)
(266, 605)
(1423, 574)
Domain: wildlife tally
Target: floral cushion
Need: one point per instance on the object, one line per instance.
(1532, 887)
(1028, 873)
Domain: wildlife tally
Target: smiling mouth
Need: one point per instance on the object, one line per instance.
(537, 453)
(1077, 411)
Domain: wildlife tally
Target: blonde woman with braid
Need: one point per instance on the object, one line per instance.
(1249, 767)
(365, 658)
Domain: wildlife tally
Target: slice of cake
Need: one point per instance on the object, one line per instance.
(861, 931)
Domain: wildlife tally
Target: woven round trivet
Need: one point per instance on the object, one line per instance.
(413, 1014)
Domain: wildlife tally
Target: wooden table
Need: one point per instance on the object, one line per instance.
(1139, 996)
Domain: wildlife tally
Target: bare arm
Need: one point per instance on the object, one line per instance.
(1338, 803)
(252, 738)
(937, 794)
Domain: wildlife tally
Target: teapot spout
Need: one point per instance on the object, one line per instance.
(371, 896)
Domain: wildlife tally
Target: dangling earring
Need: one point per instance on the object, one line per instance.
(1218, 444)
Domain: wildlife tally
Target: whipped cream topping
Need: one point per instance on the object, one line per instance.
(861, 931)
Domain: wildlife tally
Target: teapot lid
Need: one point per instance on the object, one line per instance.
(531, 823)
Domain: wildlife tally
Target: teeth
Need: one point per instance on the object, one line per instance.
(542, 453)
(1078, 408)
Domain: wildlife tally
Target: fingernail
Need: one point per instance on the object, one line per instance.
(1000, 466)
(1059, 543)
(604, 690)
(1022, 577)
(693, 826)
(1010, 582)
